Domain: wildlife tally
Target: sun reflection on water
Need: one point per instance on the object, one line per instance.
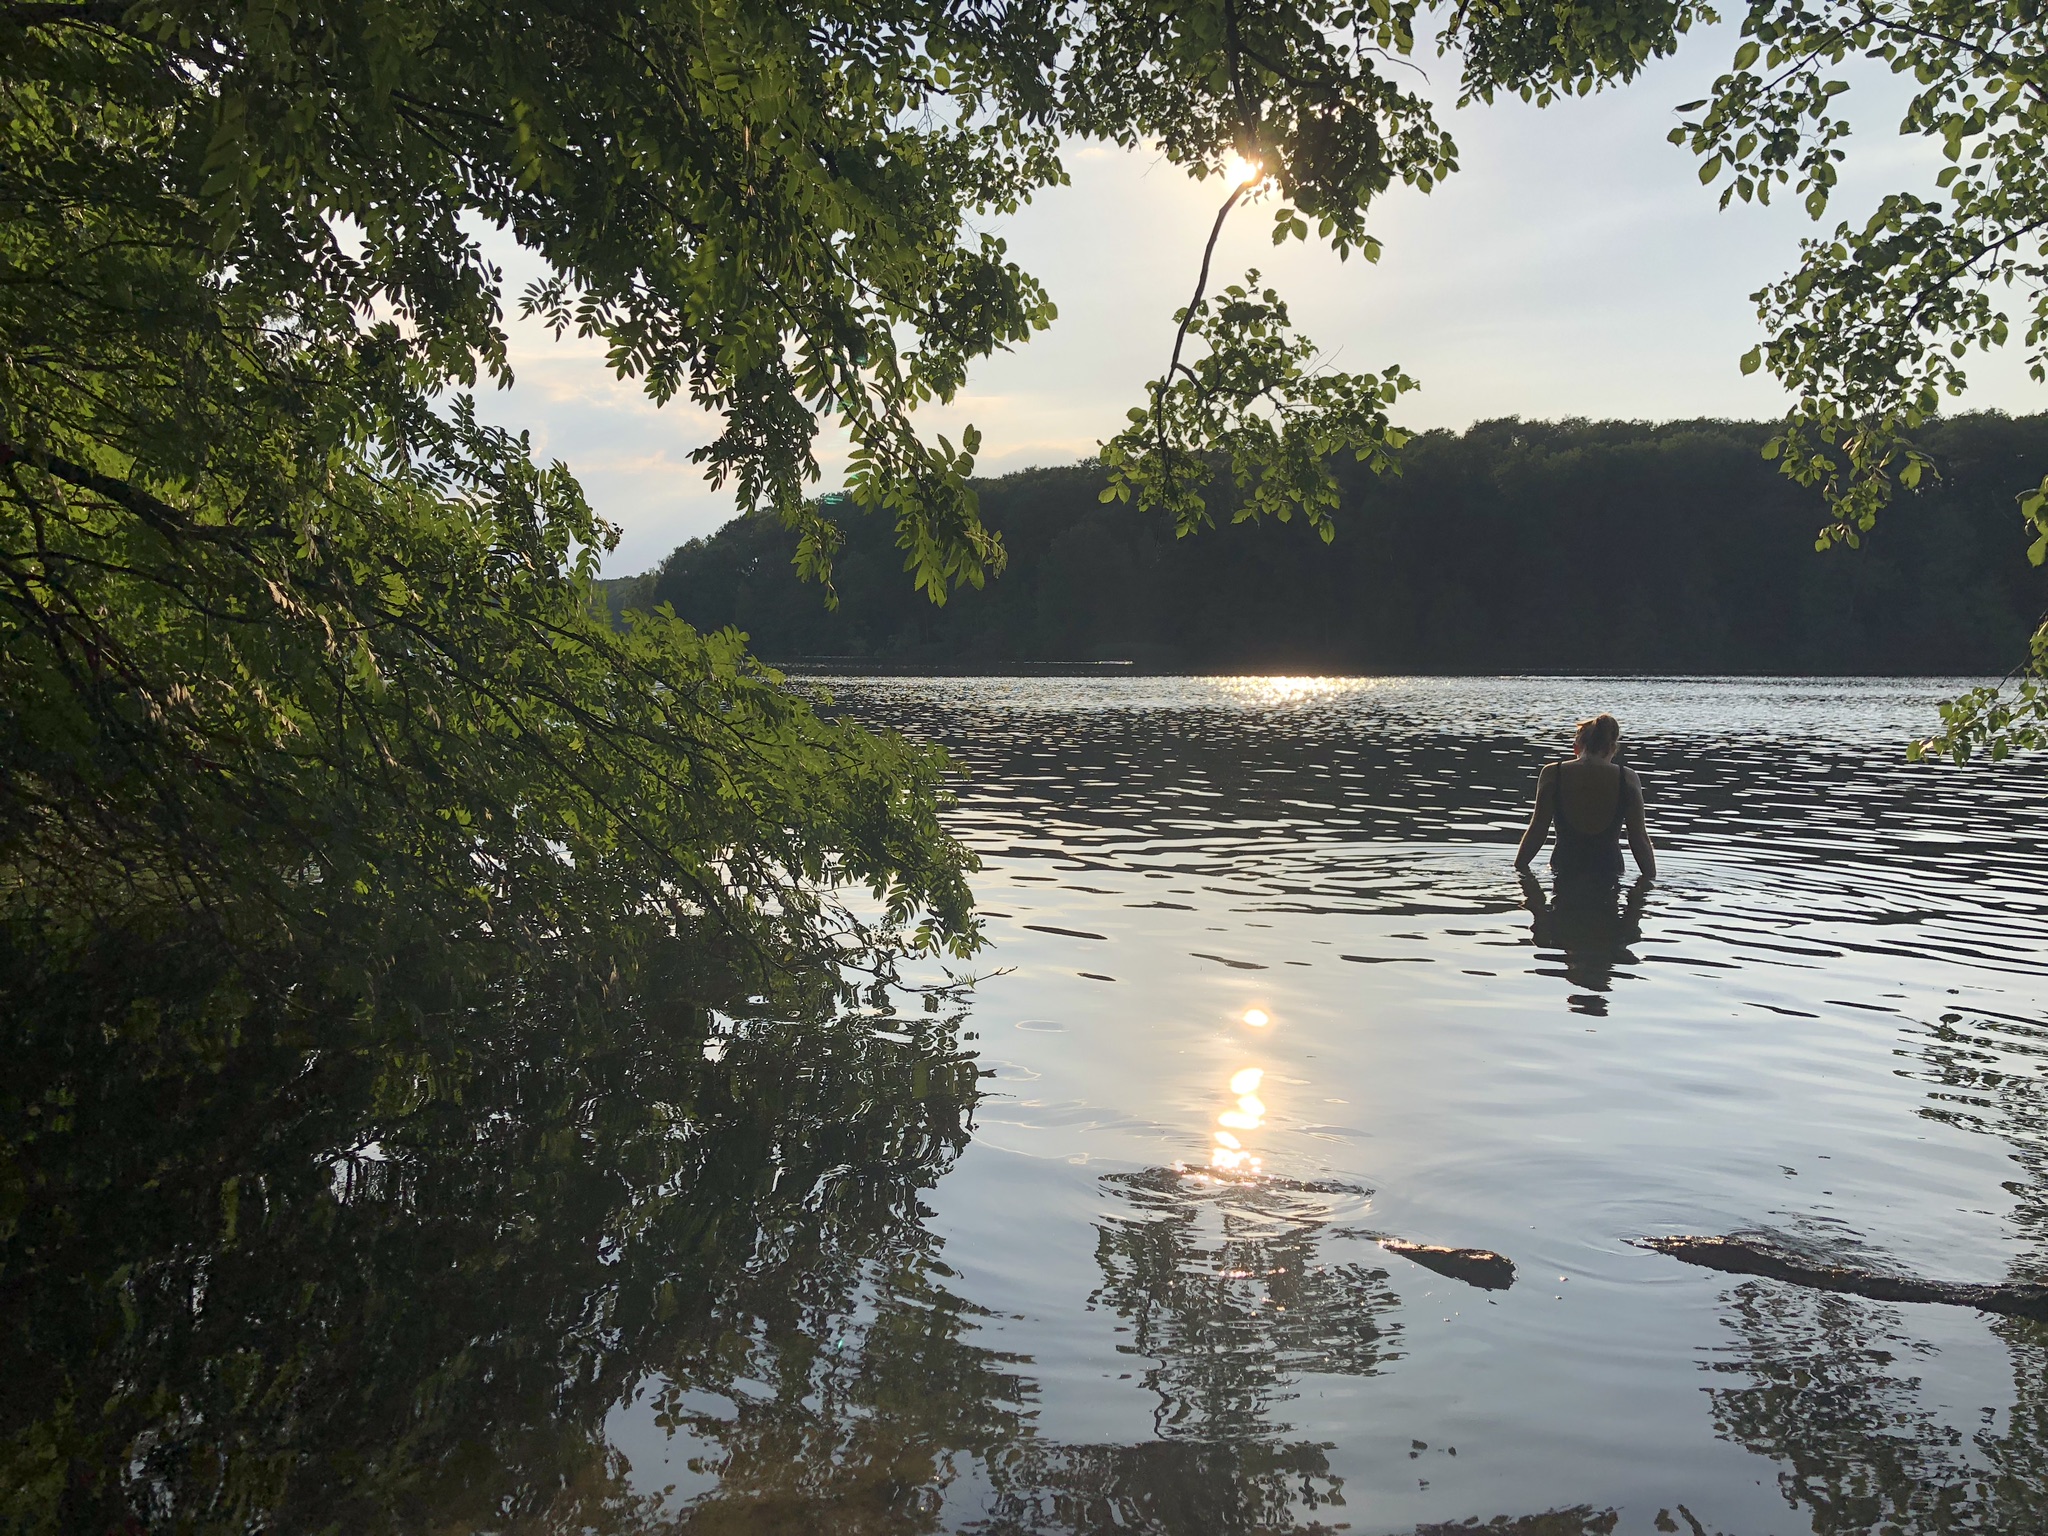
(1267, 691)
(1249, 1115)
(1229, 1153)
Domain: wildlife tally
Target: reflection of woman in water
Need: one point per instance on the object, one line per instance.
(1591, 924)
(1591, 799)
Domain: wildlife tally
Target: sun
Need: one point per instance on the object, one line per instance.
(1241, 171)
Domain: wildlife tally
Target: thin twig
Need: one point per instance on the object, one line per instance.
(1187, 315)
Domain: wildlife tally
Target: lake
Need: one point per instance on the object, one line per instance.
(1264, 988)
(1104, 1237)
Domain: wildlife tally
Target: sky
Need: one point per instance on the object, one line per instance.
(1573, 267)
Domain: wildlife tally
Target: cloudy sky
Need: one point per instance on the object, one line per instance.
(1573, 267)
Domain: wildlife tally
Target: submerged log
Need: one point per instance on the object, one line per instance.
(1475, 1266)
(1758, 1256)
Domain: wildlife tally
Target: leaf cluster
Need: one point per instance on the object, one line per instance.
(1257, 402)
(1873, 331)
(1543, 53)
(286, 634)
(1301, 90)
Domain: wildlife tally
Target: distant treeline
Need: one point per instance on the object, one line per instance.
(1518, 546)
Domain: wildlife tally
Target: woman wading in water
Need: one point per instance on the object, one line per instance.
(1591, 799)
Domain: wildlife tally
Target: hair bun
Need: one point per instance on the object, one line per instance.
(1598, 734)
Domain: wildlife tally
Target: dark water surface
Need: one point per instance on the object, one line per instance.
(1827, 1020)
(1098, 1250)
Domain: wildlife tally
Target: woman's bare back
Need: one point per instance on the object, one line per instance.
(1588, 793)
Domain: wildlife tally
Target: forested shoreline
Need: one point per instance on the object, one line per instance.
(1612, 547)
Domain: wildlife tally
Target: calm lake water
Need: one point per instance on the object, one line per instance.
(1101, 1245)
(1264, 987)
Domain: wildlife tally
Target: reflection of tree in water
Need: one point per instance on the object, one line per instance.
(1832, 1397)
(1164, 1488)
(902, 1471)
(405, 1280)
(1832, 1394)
(909, 1426)
(1987, 1075)
(851, 1411)
(1582, 1520)
(399, 1281)
(1220, 1282)
(876, 1434)
(906, 1423)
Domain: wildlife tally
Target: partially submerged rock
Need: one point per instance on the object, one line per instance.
(1475, 1266)
(1757, 1255)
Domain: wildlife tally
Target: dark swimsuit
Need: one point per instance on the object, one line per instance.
(1586, 855)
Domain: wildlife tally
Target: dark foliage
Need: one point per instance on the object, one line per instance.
(1607, 547)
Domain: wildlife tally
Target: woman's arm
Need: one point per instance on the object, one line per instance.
(1539, 820)
(1638, 827)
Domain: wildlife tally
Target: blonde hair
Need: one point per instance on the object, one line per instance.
(1599, 734)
